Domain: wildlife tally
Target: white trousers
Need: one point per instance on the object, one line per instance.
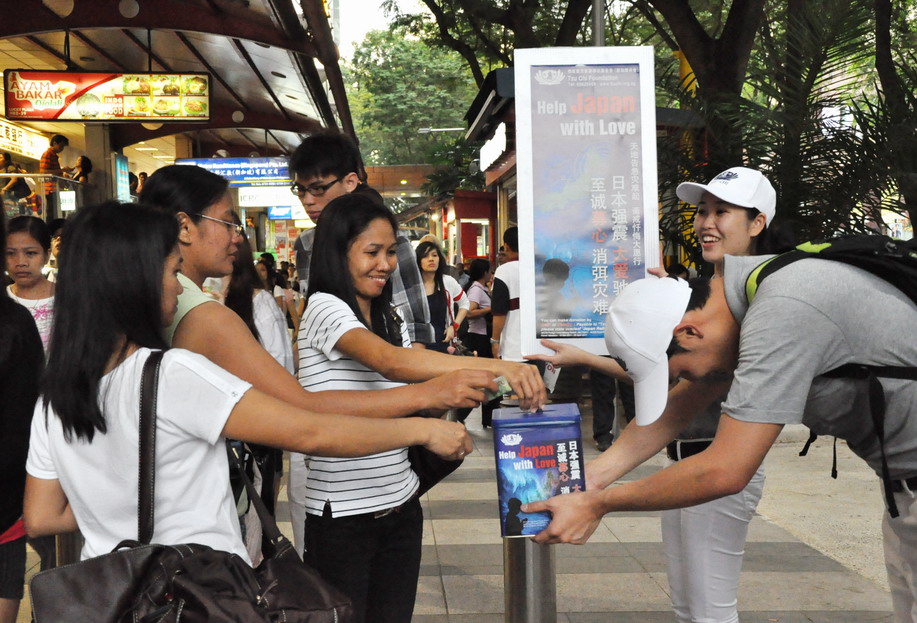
(704, 546)
(899, 535)
(296, 497)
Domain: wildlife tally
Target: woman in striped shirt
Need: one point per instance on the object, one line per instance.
(364, 523)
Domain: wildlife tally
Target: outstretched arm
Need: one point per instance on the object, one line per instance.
(46, 509)
(636, 443)
(569, 355)
(724, 468)
(412, 365)
(262, 419)
(217, 333)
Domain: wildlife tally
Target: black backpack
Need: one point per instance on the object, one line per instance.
(894, 261)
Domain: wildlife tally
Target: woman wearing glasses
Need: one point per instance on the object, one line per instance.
(208, 240)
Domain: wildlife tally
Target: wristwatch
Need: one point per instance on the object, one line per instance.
(493, 341)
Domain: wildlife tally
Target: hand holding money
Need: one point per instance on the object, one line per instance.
(503, 388)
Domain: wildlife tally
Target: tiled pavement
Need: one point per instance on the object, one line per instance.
(619, 576)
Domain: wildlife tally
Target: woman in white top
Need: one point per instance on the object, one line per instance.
(246, 296)
(28, 245)
(442, 293)
(704, 544)
(84, 445)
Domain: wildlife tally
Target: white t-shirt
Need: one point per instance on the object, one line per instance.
(511, 338)
(194, 502)
(272, 329)
(42, 311)
(357, 485)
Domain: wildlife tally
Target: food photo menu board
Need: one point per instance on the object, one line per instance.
(78, 96)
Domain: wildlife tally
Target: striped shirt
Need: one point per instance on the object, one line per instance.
(356, 485)
(50, 163)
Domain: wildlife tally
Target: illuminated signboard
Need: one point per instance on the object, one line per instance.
(122, 177)
(246, 171)
(67, 200)
(22, 141)
(78, 96)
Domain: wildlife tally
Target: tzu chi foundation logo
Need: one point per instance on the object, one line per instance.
(549, 77)
(726, 176)
(511, 439)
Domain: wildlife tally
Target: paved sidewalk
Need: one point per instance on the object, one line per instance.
(813, 553)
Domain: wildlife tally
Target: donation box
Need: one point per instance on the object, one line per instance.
(539, 455)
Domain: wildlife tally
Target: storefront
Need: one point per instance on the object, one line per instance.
(273, 216)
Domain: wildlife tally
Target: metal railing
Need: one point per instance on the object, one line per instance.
(44, 199)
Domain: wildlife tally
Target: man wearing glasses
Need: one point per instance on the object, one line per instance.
(324, 167)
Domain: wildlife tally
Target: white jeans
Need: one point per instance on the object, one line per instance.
(704, 546)
(296, 497)
(900, 540)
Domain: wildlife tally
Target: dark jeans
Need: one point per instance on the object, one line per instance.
(376, 562)
(603, 403)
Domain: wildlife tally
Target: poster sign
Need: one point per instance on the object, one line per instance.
(67, 199)
(79, 96)
(587, 206)
(122, 177)
(22, 141)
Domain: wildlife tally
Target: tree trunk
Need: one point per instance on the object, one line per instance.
(719, 67)
(897, 108)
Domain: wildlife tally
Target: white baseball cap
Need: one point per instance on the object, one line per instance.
(638, 332)
(739, 186)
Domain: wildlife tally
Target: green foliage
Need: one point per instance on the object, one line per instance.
(811, 118)
(459, 170)
(398, 85)
(835, 133)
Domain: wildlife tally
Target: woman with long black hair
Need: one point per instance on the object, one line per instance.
(443, 293)
(209, 239)
(364, 523)
(84, 447)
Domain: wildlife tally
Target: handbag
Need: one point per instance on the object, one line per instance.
(430, 467)
(139, 582)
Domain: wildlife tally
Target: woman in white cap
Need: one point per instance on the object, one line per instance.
(704, 545)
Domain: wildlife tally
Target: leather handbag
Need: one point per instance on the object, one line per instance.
(139, 582)
(430, 467)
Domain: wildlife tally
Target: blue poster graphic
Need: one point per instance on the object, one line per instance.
(588, 203)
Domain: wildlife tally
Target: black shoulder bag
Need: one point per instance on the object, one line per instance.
(139, 582)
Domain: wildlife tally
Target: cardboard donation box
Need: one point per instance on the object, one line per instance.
(539, 455)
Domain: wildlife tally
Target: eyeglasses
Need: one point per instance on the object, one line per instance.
(316, 190)
(236, 229)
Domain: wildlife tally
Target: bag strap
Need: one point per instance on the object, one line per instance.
(877, 409)
(149, 387)
(769, 266)
(276, 545)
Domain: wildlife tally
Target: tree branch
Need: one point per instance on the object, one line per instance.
(572, 22)
(444, 22)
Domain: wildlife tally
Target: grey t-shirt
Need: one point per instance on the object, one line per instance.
(809, 318)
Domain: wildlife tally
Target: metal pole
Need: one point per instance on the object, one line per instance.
(529, 583)
(598, 23)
